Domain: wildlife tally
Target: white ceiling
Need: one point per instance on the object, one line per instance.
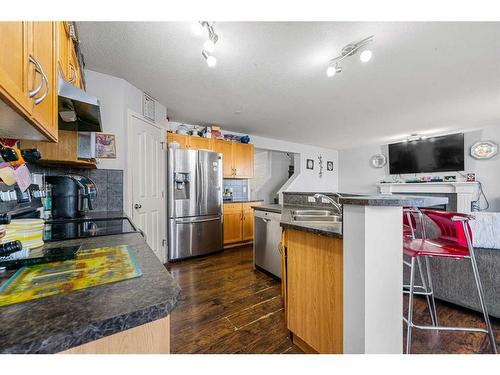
(423, 77)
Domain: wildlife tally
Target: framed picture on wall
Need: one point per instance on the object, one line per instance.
(105, 146)
(310, 164)
(329, 166)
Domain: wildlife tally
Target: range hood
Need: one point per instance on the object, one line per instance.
(78, 111)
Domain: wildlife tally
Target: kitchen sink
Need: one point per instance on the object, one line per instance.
(315, 216)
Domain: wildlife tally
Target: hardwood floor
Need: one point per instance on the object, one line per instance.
(440, 342)
(227, 307)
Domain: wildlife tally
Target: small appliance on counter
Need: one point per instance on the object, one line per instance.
(72, 195)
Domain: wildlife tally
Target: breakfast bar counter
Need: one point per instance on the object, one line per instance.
(72, 320)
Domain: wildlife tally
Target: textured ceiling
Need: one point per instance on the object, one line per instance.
(270, 76)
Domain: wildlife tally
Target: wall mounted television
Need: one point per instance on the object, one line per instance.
(435, 154)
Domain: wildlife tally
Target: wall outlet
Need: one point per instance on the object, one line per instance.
(244, 189)
(311, 199)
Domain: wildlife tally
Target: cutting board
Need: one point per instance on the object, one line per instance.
(90, 268)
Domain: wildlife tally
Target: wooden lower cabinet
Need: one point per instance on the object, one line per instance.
(314, 291)
(238, 222)
(232, 223)
(149, 338)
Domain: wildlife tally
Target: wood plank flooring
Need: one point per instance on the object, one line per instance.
(441, 342)
(227, 307)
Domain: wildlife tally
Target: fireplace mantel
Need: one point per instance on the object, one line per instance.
(466, 191)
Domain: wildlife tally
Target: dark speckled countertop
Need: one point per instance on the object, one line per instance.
(56, 323)
(243, 200)
(276, 208)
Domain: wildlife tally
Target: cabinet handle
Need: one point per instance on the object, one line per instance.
(36, 90)
(72, 73)
(42, 98)
(39, 70)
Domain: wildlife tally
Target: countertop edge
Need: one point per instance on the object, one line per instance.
(318, 231)
(68, 339)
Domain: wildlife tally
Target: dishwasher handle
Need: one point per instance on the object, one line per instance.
(266, 220)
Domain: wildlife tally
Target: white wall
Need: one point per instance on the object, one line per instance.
(117, 97)
(357, 176)
(271, 172)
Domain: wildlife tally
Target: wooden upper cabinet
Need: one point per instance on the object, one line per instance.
(237, 158)
(199, 143)
(74, 74)
(44, 48)
(182, 140)
(226, 149)
(243, 160)
(63, 53)
(14, 77)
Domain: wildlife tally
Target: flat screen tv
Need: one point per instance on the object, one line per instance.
(436, 154)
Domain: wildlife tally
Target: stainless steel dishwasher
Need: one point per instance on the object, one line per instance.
(266, 244)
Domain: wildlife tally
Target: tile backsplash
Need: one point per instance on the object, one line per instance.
(109, 184)
(239, 188)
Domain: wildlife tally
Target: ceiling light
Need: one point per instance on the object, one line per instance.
(365, 56)
(209, 46)
(332, 70)
(211, 60)
(197, 28)
(349, 50)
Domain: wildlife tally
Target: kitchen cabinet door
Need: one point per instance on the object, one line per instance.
(63, 43)
(14, 60)
(182, 140)
(243, 160)
(74, 69)
(226, 149)
(199, 143)
(232, 223)
(248, 221)
(43, 50)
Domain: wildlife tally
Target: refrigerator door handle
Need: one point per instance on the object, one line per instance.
(191, 221)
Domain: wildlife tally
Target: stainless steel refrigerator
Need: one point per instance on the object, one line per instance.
(194, 204)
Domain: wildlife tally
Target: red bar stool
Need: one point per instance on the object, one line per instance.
(454, 242)
(410, 232)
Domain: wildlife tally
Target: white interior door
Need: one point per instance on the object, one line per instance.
(146, 160)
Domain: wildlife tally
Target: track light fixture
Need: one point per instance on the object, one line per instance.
(209, 45)
(350, 50)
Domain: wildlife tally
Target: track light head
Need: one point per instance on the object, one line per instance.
(211, 60)
(333, 69)
(365, 56)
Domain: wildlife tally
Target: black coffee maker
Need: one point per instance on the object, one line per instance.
(72, 195)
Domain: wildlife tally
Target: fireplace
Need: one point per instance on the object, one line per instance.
(460, 194)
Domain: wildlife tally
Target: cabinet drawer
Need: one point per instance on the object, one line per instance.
(232, 207)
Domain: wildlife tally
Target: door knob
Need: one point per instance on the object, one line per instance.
(137, 206)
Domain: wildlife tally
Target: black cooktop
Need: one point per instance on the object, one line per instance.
(59, 230)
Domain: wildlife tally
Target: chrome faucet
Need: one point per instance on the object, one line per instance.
(331, 200)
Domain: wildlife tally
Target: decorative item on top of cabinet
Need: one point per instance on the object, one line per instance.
(28, 80)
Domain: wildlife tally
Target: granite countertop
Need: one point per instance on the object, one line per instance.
(244, 200)
(277, 208)
(56, 323)
(393, 200)
(326, 229)
(95, 215)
